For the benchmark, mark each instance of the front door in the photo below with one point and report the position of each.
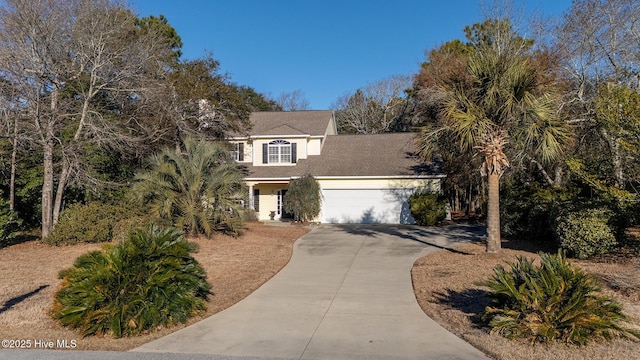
(282, 211)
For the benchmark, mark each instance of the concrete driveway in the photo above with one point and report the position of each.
(345, 294)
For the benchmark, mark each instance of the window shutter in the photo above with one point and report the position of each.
(240, 151)
(265, 153)
(256, 200)
(294, 153)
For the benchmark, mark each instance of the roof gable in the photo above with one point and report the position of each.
(312, 122)
(282, 130)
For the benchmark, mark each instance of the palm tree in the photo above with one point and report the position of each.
(503, 102)
(198, 190)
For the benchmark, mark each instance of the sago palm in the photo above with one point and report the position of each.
(503, 104)
(144, 282)
(198, 190)
(553, 301)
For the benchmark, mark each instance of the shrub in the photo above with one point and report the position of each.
(9, 223)
(428, 208)
(303, 198)
(585, 233)
(551, 302)
(126, 226)
(146, 281)
(250, 215)
(527, 210)
(91, 223)
(199, 191)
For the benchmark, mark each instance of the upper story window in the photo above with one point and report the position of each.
(279, 152)
(238, 151)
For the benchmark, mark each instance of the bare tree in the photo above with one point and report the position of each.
(292, 101)
(601, 44)
(377, 108)
(76, 65)
(9, 124)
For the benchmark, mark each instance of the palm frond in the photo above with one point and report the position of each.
(554, 301)
(190, 188)
(146, 281)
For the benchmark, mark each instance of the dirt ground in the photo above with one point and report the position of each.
(444, 283)
(29, 279)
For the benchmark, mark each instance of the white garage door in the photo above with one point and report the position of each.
(366, 206)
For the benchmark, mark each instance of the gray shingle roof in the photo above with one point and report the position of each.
(312, 122)
(356, 155)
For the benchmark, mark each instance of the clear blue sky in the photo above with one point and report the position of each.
(325, 48)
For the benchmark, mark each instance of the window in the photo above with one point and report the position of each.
(238, 151)
(279, 202)
(280, 151)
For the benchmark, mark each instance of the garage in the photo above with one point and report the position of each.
(366, 206)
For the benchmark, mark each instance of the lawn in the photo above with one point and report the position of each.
(235, 268)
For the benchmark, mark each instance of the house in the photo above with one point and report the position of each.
(363, 178)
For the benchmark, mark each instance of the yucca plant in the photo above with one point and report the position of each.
(554, 301)
(148, 280)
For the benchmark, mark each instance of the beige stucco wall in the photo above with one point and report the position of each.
(314, 146)
(248, 152)
(331, 127)
(268, 199)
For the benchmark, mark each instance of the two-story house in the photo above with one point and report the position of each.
(363, 178)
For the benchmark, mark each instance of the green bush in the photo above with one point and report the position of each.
(528, 211)
(126, 226)
(199, 190)
(146, 281)
(91, 223)
(303, 198)
(9, 223)
(428, 208)
(551, 302)
(585, 233)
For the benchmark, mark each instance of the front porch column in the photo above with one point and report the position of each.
(251, 203)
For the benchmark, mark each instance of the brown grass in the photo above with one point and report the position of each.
(444, 283)
(235, 268)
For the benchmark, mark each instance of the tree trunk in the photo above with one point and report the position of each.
(544, 173)
(616, 154)
(559, 173)
(47, 189)
(12, 182)
(456, 199)
(62, 183)
(48, 146)
(493, 214)
(468, 198)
